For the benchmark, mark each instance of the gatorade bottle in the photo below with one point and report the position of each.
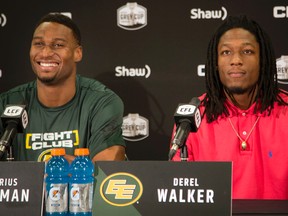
(57, 179)
(81, 184)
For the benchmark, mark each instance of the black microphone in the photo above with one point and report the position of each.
(14, 119)
(187, 119)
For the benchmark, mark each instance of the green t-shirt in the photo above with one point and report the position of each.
(92, 119)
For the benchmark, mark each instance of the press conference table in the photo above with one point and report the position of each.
(260, 207)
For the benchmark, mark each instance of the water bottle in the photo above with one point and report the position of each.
(56, 181)
(81, 184)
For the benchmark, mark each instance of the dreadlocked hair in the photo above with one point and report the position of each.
(267, 92)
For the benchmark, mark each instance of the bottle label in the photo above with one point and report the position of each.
(56, 198)
(81, 196)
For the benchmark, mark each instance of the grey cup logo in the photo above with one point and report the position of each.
(3, 20)
(282, 69)
(132, 16)
(135, 127)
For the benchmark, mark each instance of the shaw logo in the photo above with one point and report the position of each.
(3, 20)
(280, 12)
(198, 13)
(135, 127)
(282, 69)
(132, 16)
(121, 189)
(133, 72)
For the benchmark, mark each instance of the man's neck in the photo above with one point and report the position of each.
(242, 101)
(55, 95)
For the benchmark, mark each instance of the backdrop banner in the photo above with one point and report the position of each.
(151, 53)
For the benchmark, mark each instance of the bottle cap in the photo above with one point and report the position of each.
(58, 152)
(81, 151)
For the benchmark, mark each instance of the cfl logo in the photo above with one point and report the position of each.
(186, 109)
(121, 189)
(3, 20)
(13, 111)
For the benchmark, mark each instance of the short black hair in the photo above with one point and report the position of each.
(64, 20)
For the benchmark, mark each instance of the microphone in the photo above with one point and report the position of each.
(14, 119)
(188, 119)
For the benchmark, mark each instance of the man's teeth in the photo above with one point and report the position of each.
(48, 64)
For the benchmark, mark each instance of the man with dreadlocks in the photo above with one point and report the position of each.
(244, 112)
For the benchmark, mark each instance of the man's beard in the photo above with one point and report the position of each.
(237, 90)
(240, 90)
(46, 80)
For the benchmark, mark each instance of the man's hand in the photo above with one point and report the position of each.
(113, 153)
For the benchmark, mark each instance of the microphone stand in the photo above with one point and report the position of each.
(8, 151)
(10, 154)
(184, 152)
(5, 142)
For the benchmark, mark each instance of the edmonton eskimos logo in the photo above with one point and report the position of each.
(121, 189)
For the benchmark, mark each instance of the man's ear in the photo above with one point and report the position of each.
(78, 53)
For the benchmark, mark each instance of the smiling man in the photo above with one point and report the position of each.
(244, 112)
(65, 109)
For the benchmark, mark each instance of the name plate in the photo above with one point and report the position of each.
(162, 188)
(21, 188)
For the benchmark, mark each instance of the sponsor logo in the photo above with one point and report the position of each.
(3, 20)
(65, 139)
(280, 12)
(45, 156)
(122, 71)
(135, 127)
(197, 118)
(198, 13)
(121, 189)
(54, 193)
(74, 193)
(24, 119)
(186, 109)
(282, 69)
(201, 70)
(13, 111)
(132, 16)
